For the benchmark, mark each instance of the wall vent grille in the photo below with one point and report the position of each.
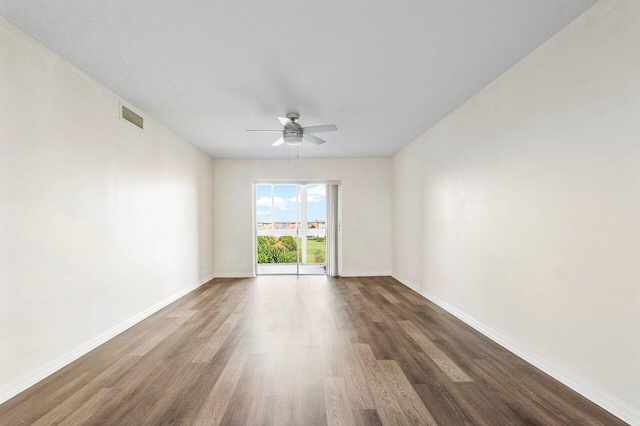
(132, 117)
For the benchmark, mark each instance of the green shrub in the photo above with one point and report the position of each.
(277, 250)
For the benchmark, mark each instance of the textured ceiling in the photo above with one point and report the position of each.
(383, 72)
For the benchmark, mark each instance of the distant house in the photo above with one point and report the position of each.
(316, 224)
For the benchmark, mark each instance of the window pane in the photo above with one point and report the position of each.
(263, 206)
(284, 203)
(316, 243)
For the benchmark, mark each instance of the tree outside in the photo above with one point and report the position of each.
(283, 249)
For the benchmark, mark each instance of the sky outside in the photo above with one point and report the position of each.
(284, 199)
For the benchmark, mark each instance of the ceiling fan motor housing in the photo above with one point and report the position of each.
(292, 133)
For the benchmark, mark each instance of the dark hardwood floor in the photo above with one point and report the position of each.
(301, 351)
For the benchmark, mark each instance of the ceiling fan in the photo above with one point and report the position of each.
(294, 134)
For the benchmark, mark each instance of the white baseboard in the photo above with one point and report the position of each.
(598, 396)
(205, 280)
(346, 275)
(350, 274)
(234, 275)
(24, 382)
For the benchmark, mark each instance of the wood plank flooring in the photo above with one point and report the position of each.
(282, 350)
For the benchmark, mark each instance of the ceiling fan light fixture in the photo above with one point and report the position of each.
(292, 138)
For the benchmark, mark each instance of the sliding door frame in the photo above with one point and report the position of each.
(338, 225)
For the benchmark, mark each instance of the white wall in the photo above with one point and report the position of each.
(366, 210)
(521, 210)
(99, 221)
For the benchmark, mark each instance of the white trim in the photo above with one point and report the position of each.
(24, 382)
(331, 231)
(254, 227)
(350, 274)
(235, 275)
(296, 182)
(595, 394)
(339, 220)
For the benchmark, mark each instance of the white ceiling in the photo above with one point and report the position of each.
(384, 72)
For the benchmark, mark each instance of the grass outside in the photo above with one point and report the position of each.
(312, 246)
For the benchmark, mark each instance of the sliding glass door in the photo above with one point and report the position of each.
(291, 227)
(277, 224)
(313, 229)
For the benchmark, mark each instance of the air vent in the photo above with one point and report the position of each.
(132, 117)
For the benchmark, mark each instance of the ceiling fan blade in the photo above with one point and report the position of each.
(265, 131)
(287, 123)
(278, 142)
(310, 138)
(320, 129)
